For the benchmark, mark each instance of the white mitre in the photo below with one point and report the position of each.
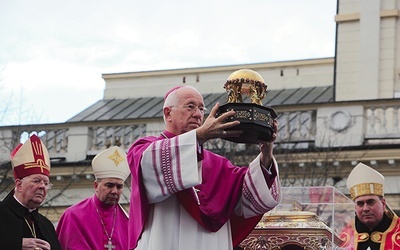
(364, 180)
(111, 163)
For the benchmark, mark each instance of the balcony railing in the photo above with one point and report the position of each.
(74, 142)
(382, 122)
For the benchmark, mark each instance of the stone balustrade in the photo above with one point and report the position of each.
(371, 123)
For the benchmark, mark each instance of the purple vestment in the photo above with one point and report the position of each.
(80, 226)
(221, 188)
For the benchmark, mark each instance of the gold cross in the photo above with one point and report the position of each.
(116, 157)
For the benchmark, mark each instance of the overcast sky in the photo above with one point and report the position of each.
(53, 52)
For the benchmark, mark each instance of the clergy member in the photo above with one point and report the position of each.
(376, 226)
(185, 197)
(21, 225)
(99, 222)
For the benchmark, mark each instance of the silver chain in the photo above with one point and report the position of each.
(102, 223)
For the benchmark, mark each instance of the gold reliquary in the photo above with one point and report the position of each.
(256, 120)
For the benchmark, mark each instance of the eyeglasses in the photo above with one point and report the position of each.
(193, 108)
(38, 182)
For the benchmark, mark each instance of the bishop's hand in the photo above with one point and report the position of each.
(35, 244)
(216, 127)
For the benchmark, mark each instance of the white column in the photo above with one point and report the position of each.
(79, 142)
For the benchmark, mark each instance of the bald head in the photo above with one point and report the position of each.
(172, 97)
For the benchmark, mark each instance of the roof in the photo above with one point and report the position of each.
(151, 107)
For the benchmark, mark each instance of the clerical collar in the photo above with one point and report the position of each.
(29, 209)
(167, 134)
(104, 207)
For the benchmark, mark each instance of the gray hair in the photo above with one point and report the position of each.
(172, 99)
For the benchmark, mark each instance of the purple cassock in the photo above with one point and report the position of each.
(90, 224)
(221, 187)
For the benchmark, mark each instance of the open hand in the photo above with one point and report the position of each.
(216, 127)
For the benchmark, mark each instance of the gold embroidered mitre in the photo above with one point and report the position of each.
(364, 180)
(111, 163)
(30, 158)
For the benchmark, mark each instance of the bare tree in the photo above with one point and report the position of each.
(304, 165)
(5, 109)
(13, 110)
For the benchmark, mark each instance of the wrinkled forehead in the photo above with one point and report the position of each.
(38, 176)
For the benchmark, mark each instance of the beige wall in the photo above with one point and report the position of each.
(277, 75)
(368, 44)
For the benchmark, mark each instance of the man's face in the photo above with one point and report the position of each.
(31, 190)
(370, 209)
(109, 190)
(188, 114)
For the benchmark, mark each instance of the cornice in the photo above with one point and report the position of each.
(350, 17)
(254, 66)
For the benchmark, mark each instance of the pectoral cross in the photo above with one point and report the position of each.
(109, 245)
